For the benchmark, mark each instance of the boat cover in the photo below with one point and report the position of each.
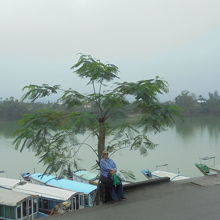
(8, 183)
(35, 189)
(64, 183)
(85, 174)
(45, 191)
(11, 198)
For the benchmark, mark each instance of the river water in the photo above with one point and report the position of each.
(180, 146)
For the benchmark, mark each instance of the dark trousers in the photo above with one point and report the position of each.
(106, 188)
(117, 192)
(110, 192)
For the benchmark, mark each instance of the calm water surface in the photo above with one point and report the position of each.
(180, 147)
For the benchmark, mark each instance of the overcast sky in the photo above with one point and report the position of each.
(175, 39)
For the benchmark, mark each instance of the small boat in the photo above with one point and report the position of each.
(172, 176)
(85, 176)
(49, 197)
(18, 206)
(88, 191)
(160, 173)
(206, 169)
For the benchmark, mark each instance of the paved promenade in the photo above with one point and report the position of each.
(168, 201)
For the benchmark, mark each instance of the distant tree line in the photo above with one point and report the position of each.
(193, 105)
(12, 109)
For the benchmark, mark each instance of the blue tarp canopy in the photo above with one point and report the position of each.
(64, 183)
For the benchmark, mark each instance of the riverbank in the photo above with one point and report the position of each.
(185, 200)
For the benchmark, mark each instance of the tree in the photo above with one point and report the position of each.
(188, 102)
(52, 135)
(11, 109)
(212, 105)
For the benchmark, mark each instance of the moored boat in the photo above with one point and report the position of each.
(160, 173)
(208, 169)
(18, 206)
(172, 176)
(85, 176)
(49, 197)
(88, 191)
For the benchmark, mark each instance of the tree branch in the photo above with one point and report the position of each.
(118, 150)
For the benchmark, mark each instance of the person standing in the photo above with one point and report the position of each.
(112, 185)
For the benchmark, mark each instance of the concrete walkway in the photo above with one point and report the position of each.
(168, 201)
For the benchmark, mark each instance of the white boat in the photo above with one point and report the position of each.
(172, 176)
(49, 197)
(86, 176)
(87, 191)
(160, 173)
(18, 206)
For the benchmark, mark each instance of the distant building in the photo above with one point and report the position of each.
(201, 99)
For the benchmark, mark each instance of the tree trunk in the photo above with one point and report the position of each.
(101, 138)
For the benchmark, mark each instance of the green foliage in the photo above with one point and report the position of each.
(82, 121)
(52, 135)
(156, 117)
(36, 92)
(12, 109)
(212, 105)
(197, 106)
(187, 101)
(72, 98)
(144, 91)
(89, 67)
(41, 130)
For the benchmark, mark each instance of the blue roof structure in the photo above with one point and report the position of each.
(64, 183)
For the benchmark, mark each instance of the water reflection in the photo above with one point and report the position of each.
(187, 128)
(180, 146)
(7, 129)
(190, 127)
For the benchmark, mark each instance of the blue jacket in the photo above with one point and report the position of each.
(106, 166)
